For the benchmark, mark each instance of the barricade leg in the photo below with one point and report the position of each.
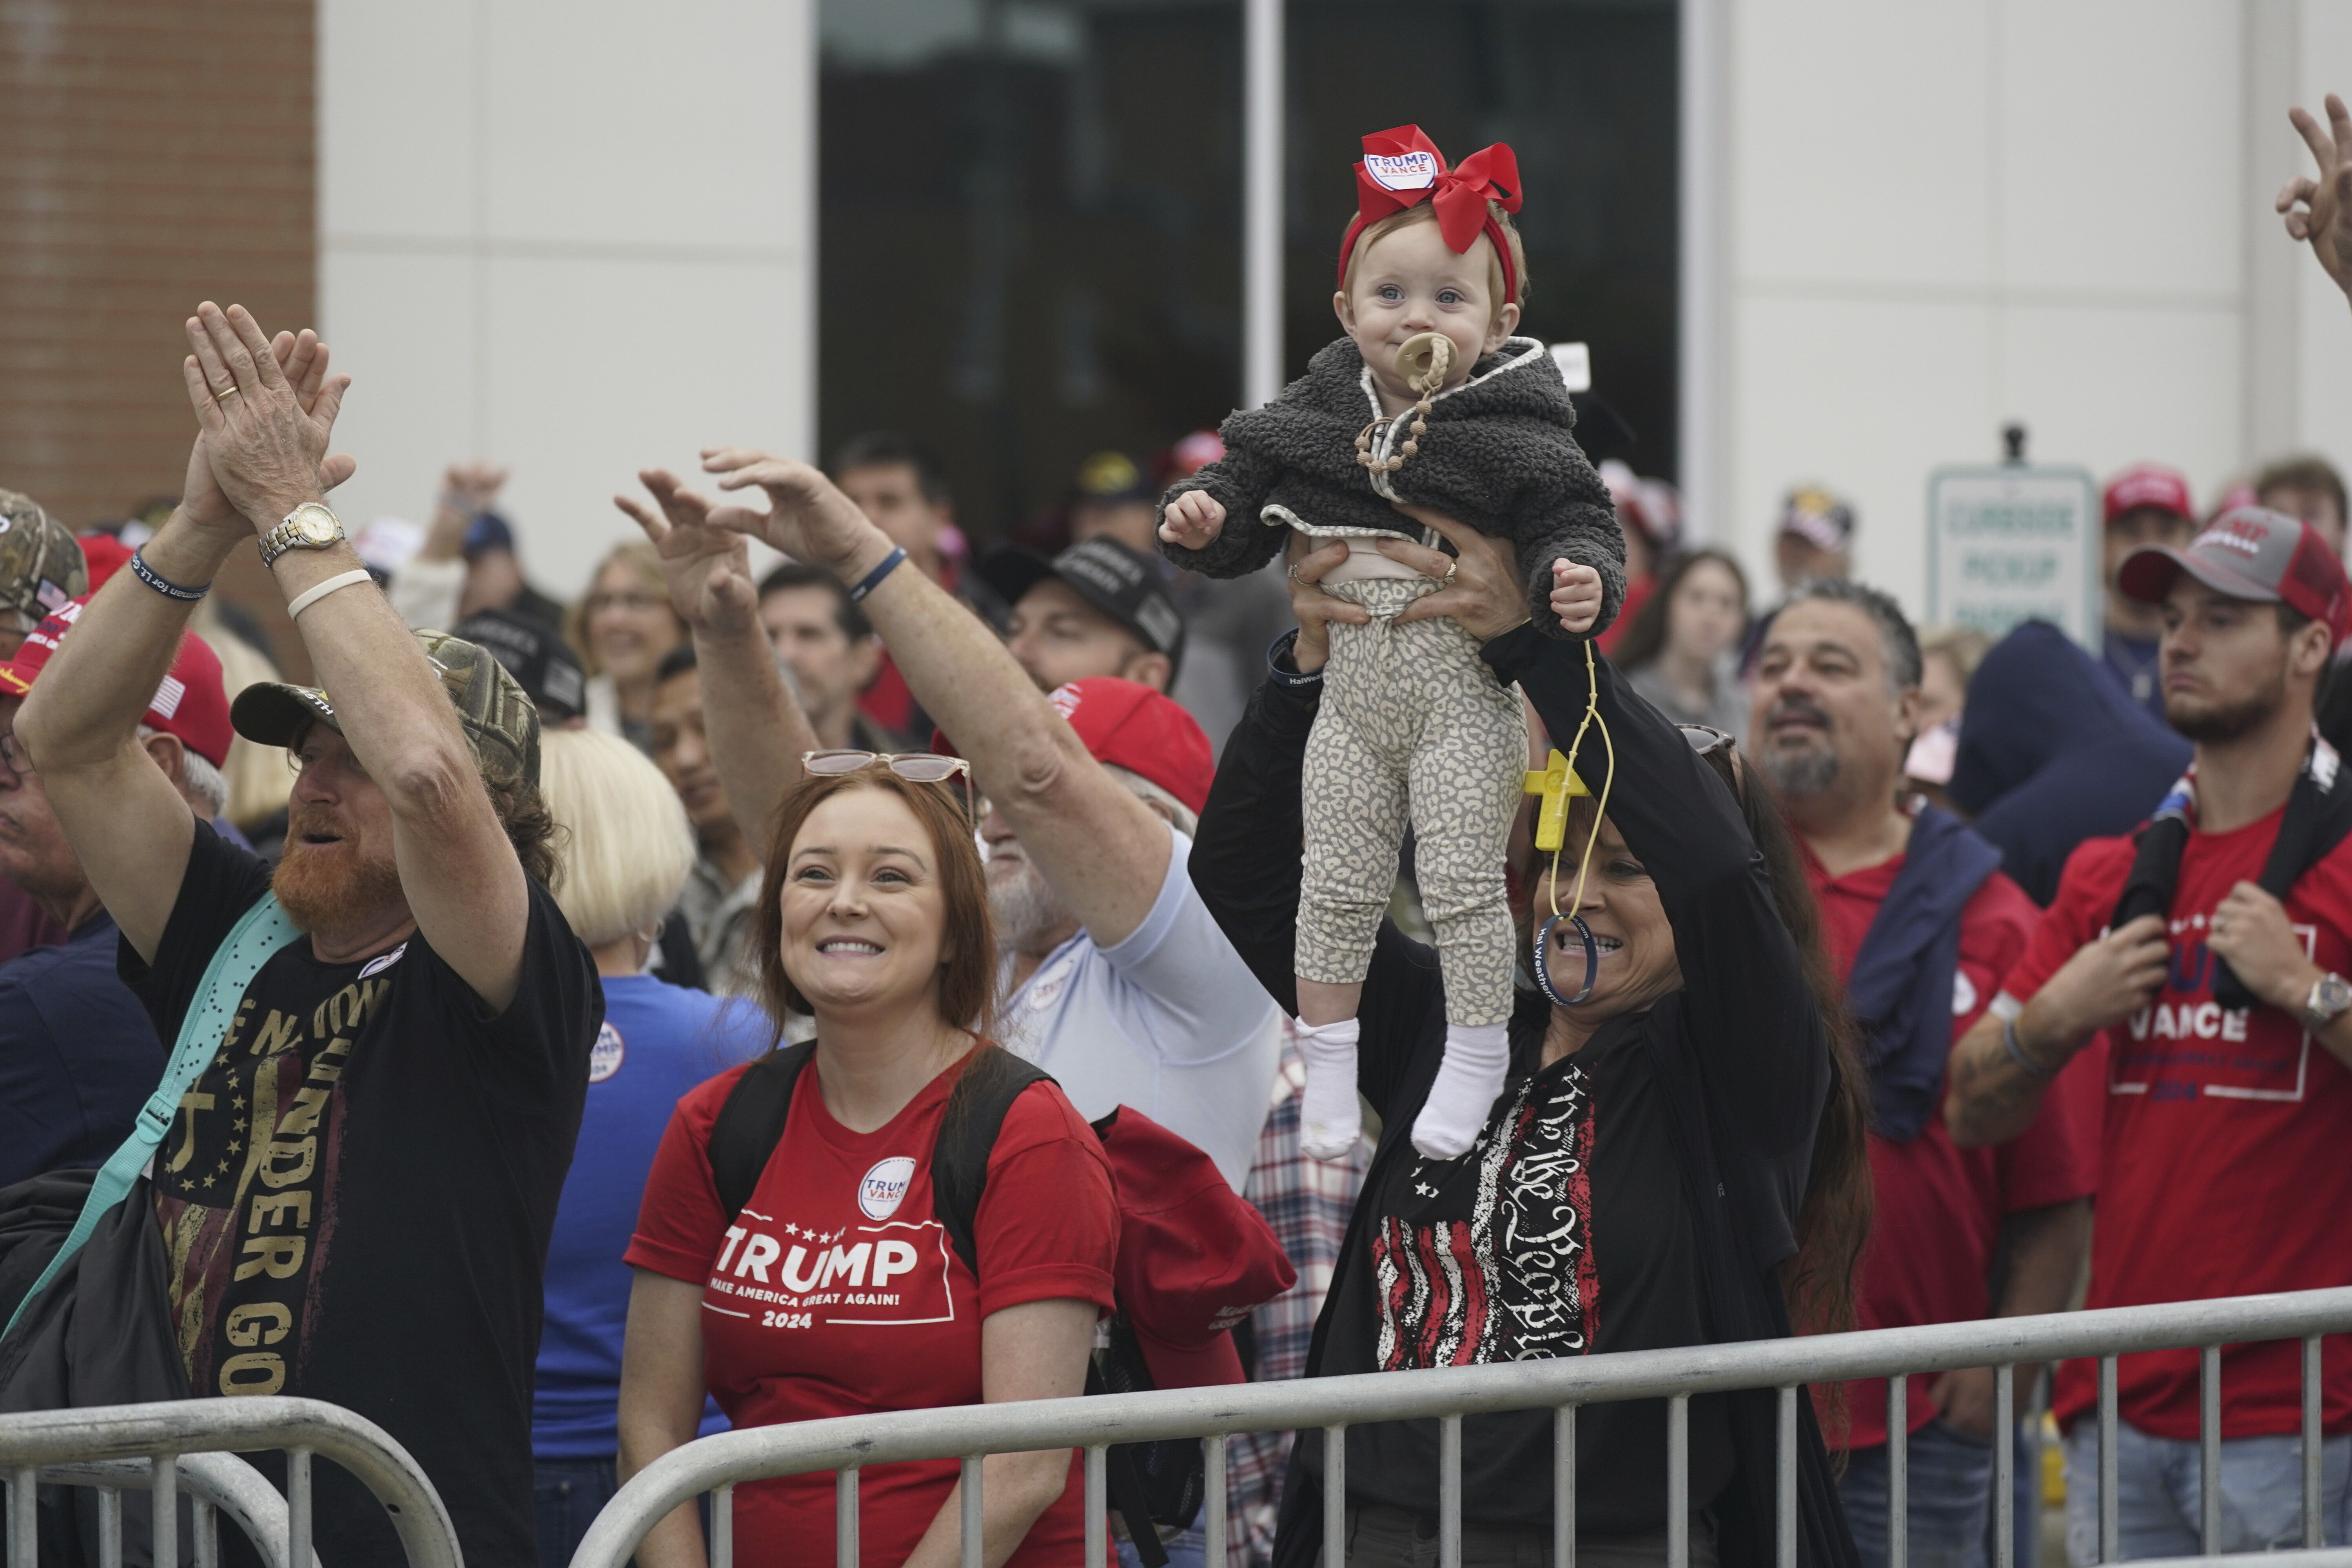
(844, 1518)
(2005, 1466)
(1898, 1472)
(1563, 1487)
(1784, 1483)
(2209, 1449)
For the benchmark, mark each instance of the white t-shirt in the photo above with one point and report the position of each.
(1171, 1022)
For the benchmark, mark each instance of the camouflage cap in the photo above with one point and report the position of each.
(41, 564)
(500, 724)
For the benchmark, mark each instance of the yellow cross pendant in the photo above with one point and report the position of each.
(1556, 782)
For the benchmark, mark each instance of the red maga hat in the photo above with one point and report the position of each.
(191, 703)
(2148, 485)
(1128, 725)
(1402, 168)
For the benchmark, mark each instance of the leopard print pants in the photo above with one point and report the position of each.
(1414, 727)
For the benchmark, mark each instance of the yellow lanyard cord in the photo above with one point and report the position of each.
(1608, 778)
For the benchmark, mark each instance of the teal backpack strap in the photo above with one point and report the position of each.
(251, 943)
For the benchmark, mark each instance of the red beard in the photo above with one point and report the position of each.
(320, 896)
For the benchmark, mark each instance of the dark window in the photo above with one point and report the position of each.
(1031, 213)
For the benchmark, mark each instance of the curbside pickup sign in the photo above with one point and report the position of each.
(2010, 544)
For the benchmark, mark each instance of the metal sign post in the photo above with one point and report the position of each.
(2012, 543)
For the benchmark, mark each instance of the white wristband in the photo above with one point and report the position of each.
(318, 591)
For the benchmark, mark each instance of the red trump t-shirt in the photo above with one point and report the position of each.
(2223, 1166)
(1939, 1207)
(837, 1292)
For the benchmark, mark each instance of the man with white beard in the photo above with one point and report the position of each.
(1116, 979)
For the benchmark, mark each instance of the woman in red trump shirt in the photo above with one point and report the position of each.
(834, 1291)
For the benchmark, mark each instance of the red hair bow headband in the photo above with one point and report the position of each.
(1403, 168)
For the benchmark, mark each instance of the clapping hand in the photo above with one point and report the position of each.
(265, 432)
(707, 568)
(2319, 209)
(1575, 596)
(301, 360)
(1193, 519)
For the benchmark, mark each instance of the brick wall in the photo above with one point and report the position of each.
(153, 154)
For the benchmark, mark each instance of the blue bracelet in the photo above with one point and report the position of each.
(873, 580)
(1285, 646)
(164, 586)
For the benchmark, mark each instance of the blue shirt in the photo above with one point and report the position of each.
(659, 1041)
(79, 1054)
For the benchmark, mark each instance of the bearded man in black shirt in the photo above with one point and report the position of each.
(354, 1201)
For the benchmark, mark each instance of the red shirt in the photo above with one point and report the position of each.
(1939, 1207)
(2223, 1164)
(835, 1292)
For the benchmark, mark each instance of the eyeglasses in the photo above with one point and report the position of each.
(13, 755)
(915, 767)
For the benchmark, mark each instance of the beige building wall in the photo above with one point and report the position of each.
(1946, 214)
(573, 236)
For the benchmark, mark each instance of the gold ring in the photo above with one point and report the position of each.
(228, 390)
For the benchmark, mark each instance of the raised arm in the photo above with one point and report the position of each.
(1747, 1005)
(758, 732)
(128, 825)
(457, 870)
(1101, 849)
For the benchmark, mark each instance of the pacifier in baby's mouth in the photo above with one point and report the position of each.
(1423, 363)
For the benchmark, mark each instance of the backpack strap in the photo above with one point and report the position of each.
(1123, 1489)
(751, 1122)
(975, 1115)
(253, 942)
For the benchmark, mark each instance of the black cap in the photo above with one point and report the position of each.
(1123, 584)
(536, 655)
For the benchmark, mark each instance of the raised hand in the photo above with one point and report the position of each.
(304, 360)
(2319, 209)
(1575, 596)
(808, 517)
(1193, 520)
(707, 567)
(472, 487)
(265, 423)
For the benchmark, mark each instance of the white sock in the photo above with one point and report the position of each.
(1330, 1118)
(1476, 1058)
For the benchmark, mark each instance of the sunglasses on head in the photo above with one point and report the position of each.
(915, 767)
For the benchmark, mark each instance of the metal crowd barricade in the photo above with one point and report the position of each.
(843, 1445)
(184, 1445)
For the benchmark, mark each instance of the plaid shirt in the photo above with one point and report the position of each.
(1307, 1200)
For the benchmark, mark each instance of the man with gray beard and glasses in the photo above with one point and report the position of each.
(1923, 926)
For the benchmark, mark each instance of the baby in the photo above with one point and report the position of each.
(1412, 725)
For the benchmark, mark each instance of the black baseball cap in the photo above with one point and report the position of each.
(539, 659)
(1123, 584)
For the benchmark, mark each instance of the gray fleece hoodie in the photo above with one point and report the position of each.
(1500, 456)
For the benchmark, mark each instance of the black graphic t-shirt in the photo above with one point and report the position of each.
(356, 1195)
(1565, 1231)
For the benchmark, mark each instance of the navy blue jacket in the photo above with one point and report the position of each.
(79, 1054)
(2052, 753)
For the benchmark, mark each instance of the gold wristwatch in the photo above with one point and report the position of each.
(309, 526)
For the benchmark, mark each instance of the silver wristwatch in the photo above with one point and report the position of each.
(2331, 994)
(309, 526)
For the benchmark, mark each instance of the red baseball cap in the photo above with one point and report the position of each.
(1126, 724)
(2250, 553)
(191, 703)
(2149, 485)
(1191, 1265)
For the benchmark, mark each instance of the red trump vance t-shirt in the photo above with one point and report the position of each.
(2223, 1162)
(837, 1292)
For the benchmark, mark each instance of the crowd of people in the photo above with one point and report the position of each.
(881, 983)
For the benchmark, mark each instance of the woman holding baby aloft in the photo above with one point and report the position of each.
(1676, 1156)
(1428, 400)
